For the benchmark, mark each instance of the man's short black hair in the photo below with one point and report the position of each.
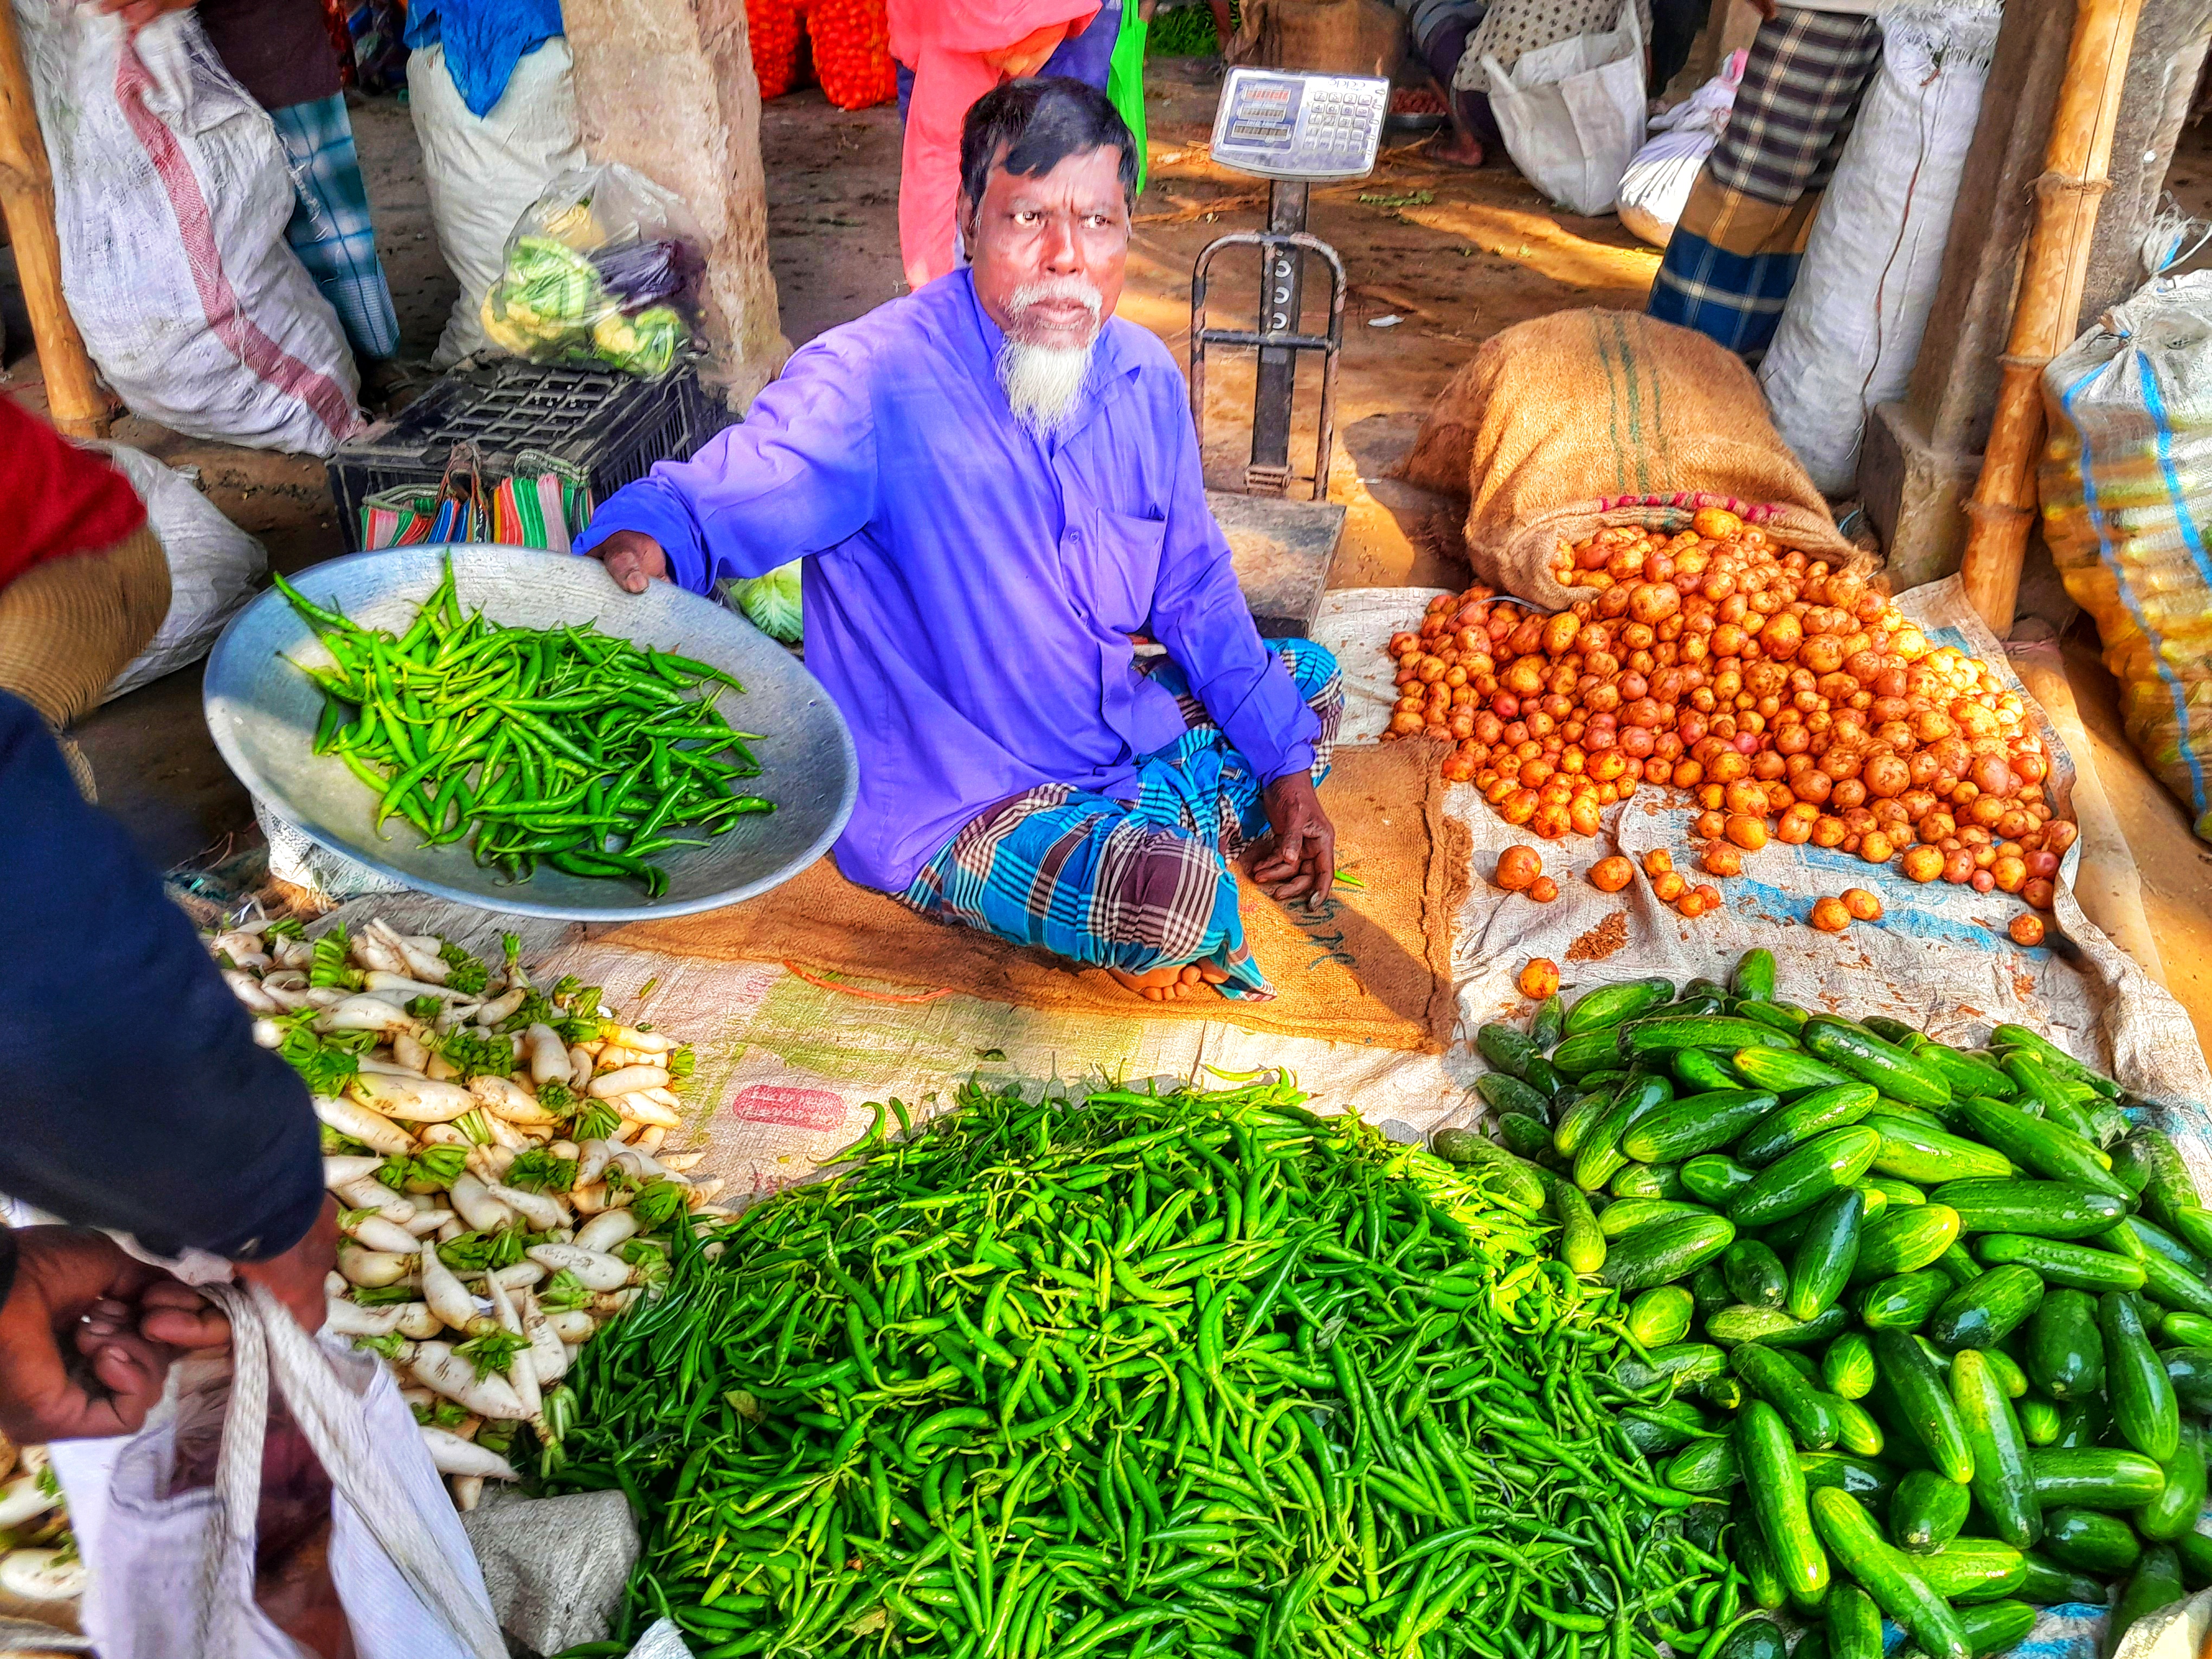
(1041, 122)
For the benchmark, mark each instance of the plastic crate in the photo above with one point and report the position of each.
(611, 426)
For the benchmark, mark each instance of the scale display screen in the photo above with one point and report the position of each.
(1278, 124)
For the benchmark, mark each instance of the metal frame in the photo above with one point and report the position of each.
(1277, 332)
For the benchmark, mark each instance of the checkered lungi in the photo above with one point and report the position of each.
(1733, 257)
(330, 230)
(1133, 884)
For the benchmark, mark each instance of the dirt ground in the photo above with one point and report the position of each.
(1437, 258)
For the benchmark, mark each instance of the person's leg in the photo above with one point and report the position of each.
(1733, 257)
(1313, 669)
(330, 229)
(1675, 26)
(1441, 49)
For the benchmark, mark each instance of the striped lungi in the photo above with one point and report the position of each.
(1133, 884)
(330, 229)
(1733, 257)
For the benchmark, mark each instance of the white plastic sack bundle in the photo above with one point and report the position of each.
(1572, 114)
(172, 192)
(483, 172)
(213, 566)
(1851, 328)
(1658, 185)
(172, 1571)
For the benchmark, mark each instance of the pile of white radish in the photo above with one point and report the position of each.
(38, 1556)
(427, 1145)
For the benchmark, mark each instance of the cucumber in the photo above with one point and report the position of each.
(2065, 1352)
(2037, 1144)
(2170, 1284)
(1811, 1415)
(1665, 1251)
(1776, 1486)
(1665, 1034)
(1545, 1079)
(2144, 1409)
(1624, 1216)
(1834, 1107)
(1965, 1075)
(1548, 1023)
(2058, 1262)
(2040, 1094)
(1581, 1241)
(2019, 1037)
(1905, 1241)
(1888, 1029)
(2007, 1370)
(1661, 1316)
(2084, 1422)
(1504, 1092)
(1758, 1638)
(1921, 1115)
(1609, 1005)
(1698, 1071)
(1957, 1266)
(1694, 1124)
(1650, 1180)
(1524, 1136)
(1755, 1275)
(1802, 1178)
(2151, 1166)
(1714, 1178)
(1590, 1051)
(2185, 1330)
(2043, 1209)
(1788, 1071)
(1982, 1313)
(1656, 1430)
(2050, 1585)
(2101, 1544)
(2156, 1583)
(1902, 1302)
(1506, 1049)
(2039, 1421)
(1822, 1264)
(1598, 1156)
(1924, 1403)
(1573, 1122)
(2195, 1549)
(2139, 1238)
(1927, 1512)
(1997, 1626)
(1979, 1568)
(2179, 1501)
(1760, 1576)
(1847, 1368)
(1708, 1289)
(1902, 1193)
(1870, 1059)
(1514, 1180)
(1755, 975)
(1689, 1365)
(2192, 1224)
(1891, 1578)
(1786, 1017)
(2001, 1483)
(1854, 1624)
(1703, 1466)
(1913, 1151)
(1860, 1478)
(2190, 1370)
(2094, 1478)
(1858, 1433)
(1772, 1328)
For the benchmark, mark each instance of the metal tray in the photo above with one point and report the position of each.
(263, 713)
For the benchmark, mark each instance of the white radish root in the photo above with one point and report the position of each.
(446, 1295)
(343, 1318)
(413, 1100)
(364, 1013)
(374, 1269)
(505, 1098)
(373, 1233)
(454, 1455)
(437, 1366)
(543, 1211)
(377, 1133)
(549, 1055)
(338, 1171)
(608, 1232)
(649, 1042)
(596, 1271)
(627, 1079)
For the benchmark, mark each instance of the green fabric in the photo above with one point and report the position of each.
(1125, 81)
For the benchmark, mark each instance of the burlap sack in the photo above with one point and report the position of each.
(1568, 423)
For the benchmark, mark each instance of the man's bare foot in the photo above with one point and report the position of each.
(1460, 149)
(1172, 984)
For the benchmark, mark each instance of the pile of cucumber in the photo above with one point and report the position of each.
(1928, 1319)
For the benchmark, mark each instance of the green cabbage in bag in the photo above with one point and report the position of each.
(771, 603)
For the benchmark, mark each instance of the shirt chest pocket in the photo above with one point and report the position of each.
(1112, 561)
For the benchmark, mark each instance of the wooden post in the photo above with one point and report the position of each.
(74, 400)
(2074, 181)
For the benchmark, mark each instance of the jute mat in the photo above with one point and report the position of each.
(1372, 966)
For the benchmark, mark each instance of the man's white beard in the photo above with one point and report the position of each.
(1043, 382)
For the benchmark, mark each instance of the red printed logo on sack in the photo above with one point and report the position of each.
(801, 1108)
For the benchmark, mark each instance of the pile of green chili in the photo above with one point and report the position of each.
(1141, 1374)
(562, 744)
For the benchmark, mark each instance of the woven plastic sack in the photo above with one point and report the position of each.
(772, 34)
(599, 270)
(214, 567)
(1851, 328)
(852, 43)
(1657, 183)
(1573, 112)
(2127, 510)
(172, 192)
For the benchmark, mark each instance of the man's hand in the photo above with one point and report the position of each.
(71, 1365)
(136, 14)
(633, 559)
(1302, 863)
(178, 1316)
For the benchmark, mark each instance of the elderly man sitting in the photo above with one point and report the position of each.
(995, 484)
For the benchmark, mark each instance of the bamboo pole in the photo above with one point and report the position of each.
(2056, 270)
(75, 402)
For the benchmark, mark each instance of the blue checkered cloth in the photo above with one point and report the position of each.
(330, 230)
(1133, 884)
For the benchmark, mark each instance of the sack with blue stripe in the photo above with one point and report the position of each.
(2127, 508)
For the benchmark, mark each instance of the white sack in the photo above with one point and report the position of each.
(172, 192)
(1851, 328)
(1572, 114)
(1657, 186)
(213, 566)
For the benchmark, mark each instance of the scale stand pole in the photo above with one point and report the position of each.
(1281, 301)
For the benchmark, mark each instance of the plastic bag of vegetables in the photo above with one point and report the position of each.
(770, 603)
(598, 271)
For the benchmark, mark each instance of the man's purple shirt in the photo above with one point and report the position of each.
(969, 590)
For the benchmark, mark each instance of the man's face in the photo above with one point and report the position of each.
(1048, 248)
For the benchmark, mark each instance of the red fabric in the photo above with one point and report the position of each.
(61, 499)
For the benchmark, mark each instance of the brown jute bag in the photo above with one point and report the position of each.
(1566, 424)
